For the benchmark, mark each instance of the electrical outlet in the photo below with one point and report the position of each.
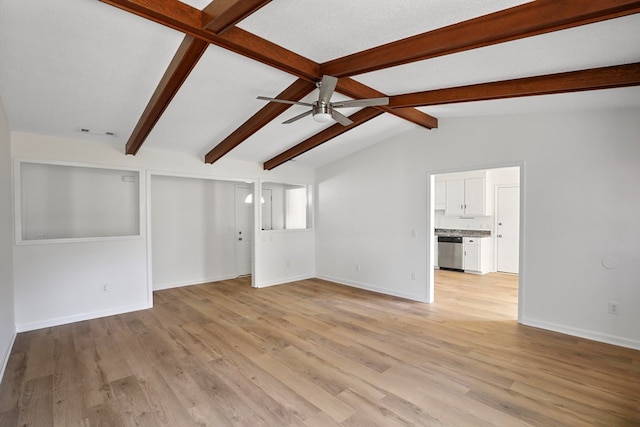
(104, 288)
(287, 264)
(357, 267)
(413, 276)
(614, 307)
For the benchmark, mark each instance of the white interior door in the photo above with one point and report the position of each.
(508, 229)
(244, 230)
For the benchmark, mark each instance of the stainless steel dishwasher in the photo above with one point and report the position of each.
(450, 253)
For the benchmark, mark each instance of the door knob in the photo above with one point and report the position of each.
(239, 238)
(499, 223)
(500, 236)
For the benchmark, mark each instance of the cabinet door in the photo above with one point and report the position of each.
(474, 196)
(440, 196)
(471, 257)
(454, 203)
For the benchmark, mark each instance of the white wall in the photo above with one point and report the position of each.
(7, 319)
(59, 282)
(192, 229)
(287, 255)
(581, 205)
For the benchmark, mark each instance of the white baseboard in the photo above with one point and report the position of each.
(172, 285)
(24, 327)
(368, 287)
(582, 333)
(283, 281)
(5, 358)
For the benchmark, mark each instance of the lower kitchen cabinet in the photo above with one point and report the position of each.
(477, 255)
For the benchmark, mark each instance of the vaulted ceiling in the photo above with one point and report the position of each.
(185, 75)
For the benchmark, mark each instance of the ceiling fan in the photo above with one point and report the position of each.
(323, 109)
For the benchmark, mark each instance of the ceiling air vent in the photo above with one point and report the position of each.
(95, 132)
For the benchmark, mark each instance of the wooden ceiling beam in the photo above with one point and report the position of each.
(217, 17)
(530, 19)
(230, 15)
(329, 133)
(189, 20)
(573, 81)
(187, 56)
(296, 91)
(200, 27)
(356, 90)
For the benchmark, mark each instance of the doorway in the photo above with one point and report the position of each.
(502, 217)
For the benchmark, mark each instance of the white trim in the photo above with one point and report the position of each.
(283, 281)
(379, 290)
(582, 333)
(5, 359)
(25, 327)
(159, 172)
(148, 255)
(194, 282)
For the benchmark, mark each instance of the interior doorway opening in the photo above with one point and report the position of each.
(481, 207)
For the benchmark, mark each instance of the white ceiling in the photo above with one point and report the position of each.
(329, 29)
(81, 63)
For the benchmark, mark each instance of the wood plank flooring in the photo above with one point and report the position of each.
(313, 353)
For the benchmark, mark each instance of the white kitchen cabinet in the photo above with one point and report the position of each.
(454, 202)
(466, 197)
(440, 196)
(475, 196)
(477, 254)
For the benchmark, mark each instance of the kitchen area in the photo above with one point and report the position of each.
(476, 218)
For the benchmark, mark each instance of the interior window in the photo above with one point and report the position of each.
(285, 206)
(71, 202)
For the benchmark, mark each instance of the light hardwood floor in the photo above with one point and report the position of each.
(314, 353)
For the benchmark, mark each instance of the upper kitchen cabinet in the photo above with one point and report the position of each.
(466, 197)
(440, 196)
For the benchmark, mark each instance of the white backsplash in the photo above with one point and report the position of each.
(464, 223)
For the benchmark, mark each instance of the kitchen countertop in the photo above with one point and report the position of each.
(462, 233)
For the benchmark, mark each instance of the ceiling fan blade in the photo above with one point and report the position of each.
(298, 117)
(327, 86)
(341, 118)
(285, 101)
(369, 102)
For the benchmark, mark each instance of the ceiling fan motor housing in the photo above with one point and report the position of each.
(321, 112)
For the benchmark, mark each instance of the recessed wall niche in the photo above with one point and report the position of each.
(76, 202)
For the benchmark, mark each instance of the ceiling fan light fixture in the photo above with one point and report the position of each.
(321, 113)
(322, 117)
